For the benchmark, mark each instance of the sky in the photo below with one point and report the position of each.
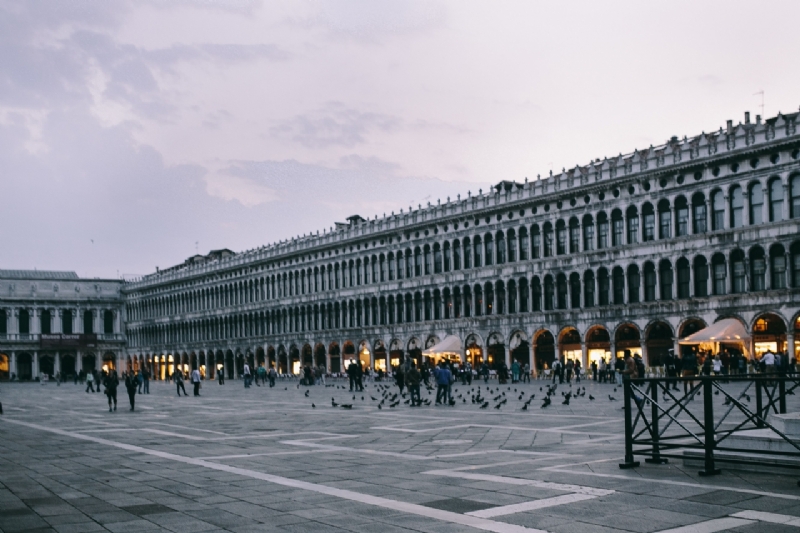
(136, 134)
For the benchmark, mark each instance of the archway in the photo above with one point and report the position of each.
(544, 350)
(109, 362)
(319, 354)
(395, 352)
(414, 350)
(520, 348)
(229, 363)
(260, 357)
(5, 369)
(430, 342)
(348, 352)
(627, 337)
(598, 345)
(335, 354)
(797, 338)
(380, 355)
(24, 366)
(659, 340)
(307, 356)
(769, 333)
(474, 351)
(219, 364)
(47, 365)
(67, 365)
(569, 343)
(294, 359)
(364, 354)
(689, 326)
(193, 365)
(495, 351)
(202, 364)
(89, 362)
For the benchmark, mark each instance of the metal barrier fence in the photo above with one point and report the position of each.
(660, 424)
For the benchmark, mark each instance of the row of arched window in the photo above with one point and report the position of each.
(697, 277)
(733, 208)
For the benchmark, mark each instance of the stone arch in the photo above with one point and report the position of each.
(319, 354)
(544, 349)
(569, 344)
(474, 349)
(495, 350)
(396, 352)
(364, 353)
(598, 344)
(380, 355)
(295, 362)
(519, 348)
(659, 339)
(628, 337)
(769, 333)
(690, 325)
(414, 350)
(432, 340)
(335, 354)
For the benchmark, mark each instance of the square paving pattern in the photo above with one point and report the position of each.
(285, 459)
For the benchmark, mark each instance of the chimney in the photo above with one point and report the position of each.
(730, 127)
(747, 117)
(758, 119)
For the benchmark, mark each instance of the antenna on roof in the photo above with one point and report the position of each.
(761, 92)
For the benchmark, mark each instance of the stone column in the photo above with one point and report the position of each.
(584, 357)
(57, 363)
(786, 198)
(12, 368)
(35, 363)
(78, 361)
(727, 210)
(790, 343)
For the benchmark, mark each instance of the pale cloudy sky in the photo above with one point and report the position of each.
(150, 126)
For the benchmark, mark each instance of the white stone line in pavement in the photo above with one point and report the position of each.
(531, 505)
(190, 428)
(584, 425)
(494, 465)
(710, 526)
(171, 434)
(342, 449)
(367, 499)
(681, 484)
(556, 467)
(512, 428)
(248, 455)
(772, 518)
(591, 491)
(106, 430)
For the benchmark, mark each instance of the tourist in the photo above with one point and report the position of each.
(602, 370)
(555, 368)
(515, 368)
(146, 378)
(272, 374)
(577, 368)
(359, 377)
(96, 376)
(569, 368)
(619, 366)
(688, 369)
(195, 378)
(131, 384)
(671, 369)
(716, 365)
(485, 371)
(443, 376)
(111, 383)
(412, 382)
(177, 376)
(246, 374)
(468, 372)
(90, 382)
(398, 377)
(140, 380)
(221, 375)
(261, 375)
(351, 375)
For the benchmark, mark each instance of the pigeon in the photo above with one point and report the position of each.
(485, 405)
(566, 400)
(498, 406)
(313, 406)
(716, 393)
(452, 402)
(362, 398)
(591, 397)
(307, 393)
(373, 398)
(615, 389)
(333, 403)
(546, 402)
(354, 396)
(395, 404)
(347, 406)
(379, 406)
(747, 397)
(611, 398)
(525, 407)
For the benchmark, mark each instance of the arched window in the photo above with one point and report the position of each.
(719, 274)
(549, 292)
(664, 220)
(756, 197)
(633, 224)
(588, 233)
(467, 257)
(618, 282)
(512, 246)
(500, 246)
(794, 195)
(775, 200)
(588, 289)
(681, 217)
(617, 228)
(665, 276)
(603, 287)
(574, 236)
(536, 289)
(737, 207)
(417, 262)
(417, 307)
(684, 278)
(524, 245)
(795, 252)
(512, 296)
(523, 295)
(400, 262)
(649, 282)
(536, 242)
(409, 267)
(561, 291)
(477, 248)
(561, 237)
(634, 281)
(548, 239)
(456, 255)
(489, 247)
(467, 299)
(777, 259)
(489, 307)
(700, 276)
(575, 290)
(448, 260)
(758, 269)
(478, 300)
(699, 220)
(648, 222)
(427, 252)
(602, 230)
(437, 259)
(738, 272)
(717, 211)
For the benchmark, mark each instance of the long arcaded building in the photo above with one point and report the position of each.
(629, 252)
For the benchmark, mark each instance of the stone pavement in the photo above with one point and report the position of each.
(259, 459)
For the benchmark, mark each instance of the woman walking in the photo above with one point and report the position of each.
(111, 382)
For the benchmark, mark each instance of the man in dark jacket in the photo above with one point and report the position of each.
(111, 382)
(352, 370)
(412, 382)
(131, 384)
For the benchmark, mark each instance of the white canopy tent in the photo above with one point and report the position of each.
(727, 330)
(449, 346)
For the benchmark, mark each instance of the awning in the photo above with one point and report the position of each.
(726, 330)
(450, 345)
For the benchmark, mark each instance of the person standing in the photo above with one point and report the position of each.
(577, 368)
(146, 378)
(671, 368)
(195, 377)
(442, 374)
(485, 372)
(468, 372)
(140, 380)
(111, 383)
(515, 371)
(688, 369)
(359, 377)
(351, 374)
(177, 376)
(261, 375)
(131, 384)
(272, 375)
(619, 366)
(246, 374)
(90, 382)
(96, 376)
(716, 365)
(221, 375)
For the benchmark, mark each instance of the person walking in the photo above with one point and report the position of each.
(412, 382)
(526, 373)
(146, 378)
(359, 377)
(97, 378)
(221, 375)
(246, 375)
(272, 374)
(351, 374)
(90, 382)
(131, 384)
(261, 375)
(688, 369)
(442, 374)
(195, 378)
(485, 372)
(140, 380)
(671, 368)
(716, 365)
(111, 383)
(577, 369)
(177, 376)
(619, 366)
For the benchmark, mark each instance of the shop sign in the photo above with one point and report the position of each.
(64, 340)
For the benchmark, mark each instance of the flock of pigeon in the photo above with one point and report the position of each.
(391, 398)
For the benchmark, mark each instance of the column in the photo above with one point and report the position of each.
(532, 359)
(57, 363)
(35, 369)
(727, 215)
(12, 369)
(613, 350)
(790, 343)
(786, 199)
(584, 357)
(508, 357)
(78, 361)
(13, 323)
